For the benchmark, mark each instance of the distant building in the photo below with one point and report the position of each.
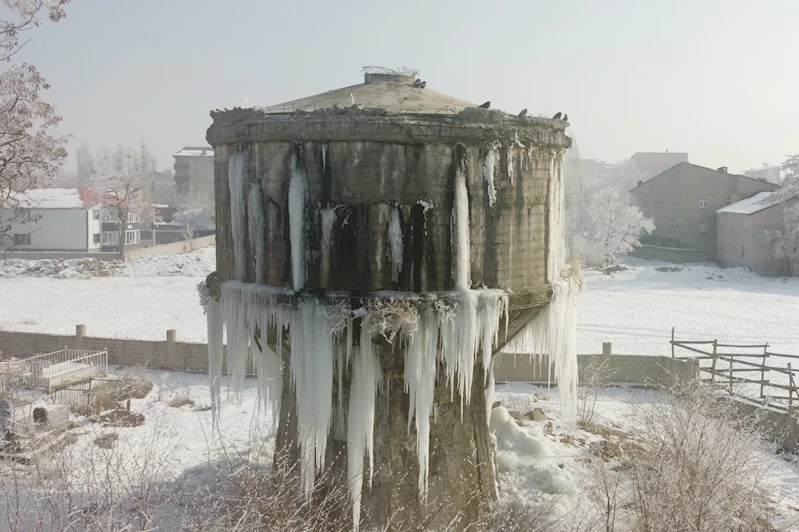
(769, 173)
(737, 241)
(683, 201)
(194, 167)
(65, 221)
(653, 163)
(592, 169)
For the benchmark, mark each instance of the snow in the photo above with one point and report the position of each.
(237, 181)
(488, 173)
(759, 202)
(50, 198)
(204, 152)
(257, 228)
(395, 242)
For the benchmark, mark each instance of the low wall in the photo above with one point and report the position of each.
(174, 248)
(64, 255)
(677, 255)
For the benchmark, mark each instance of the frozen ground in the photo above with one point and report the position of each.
(634, 309)
(173, 466)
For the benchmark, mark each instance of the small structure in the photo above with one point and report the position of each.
(50, 371)
(683, 201)
(740, 237)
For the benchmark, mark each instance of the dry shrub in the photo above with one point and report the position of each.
(121, 418)
(181, 400)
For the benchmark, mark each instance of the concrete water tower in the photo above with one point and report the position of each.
(376, 244)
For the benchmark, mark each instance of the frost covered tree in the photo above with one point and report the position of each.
(614, 228)
(785, 241)
(120, 184)
(30, 153)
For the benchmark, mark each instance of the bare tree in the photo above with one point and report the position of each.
(30, 154)
(120, 181)
(785, 241)
(189, 235)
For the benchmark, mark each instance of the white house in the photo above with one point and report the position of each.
(64, 222)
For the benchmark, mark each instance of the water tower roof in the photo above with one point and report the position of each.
(395, 92)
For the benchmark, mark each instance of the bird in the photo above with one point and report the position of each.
(485, 105)
(417, 83)
(523, 113)
(557, 116)
(422, 85)
(565, 118)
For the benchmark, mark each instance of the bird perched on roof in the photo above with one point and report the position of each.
(565, 118)
(422, 85)
(417, 83)
(485, 105)
(557, 116)
(523, 113)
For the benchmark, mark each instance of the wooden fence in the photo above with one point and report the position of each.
(746, 370)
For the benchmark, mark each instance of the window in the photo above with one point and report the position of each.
(95, 214)
(673, 226)
(132, 217)
(110, 238)
(659, 202)
(22, 239)
(109, 215)
(727, 202)
(646, 202)
(675, 203)
(703, 204)
(703, 228)
(96, 238)
(131, 237)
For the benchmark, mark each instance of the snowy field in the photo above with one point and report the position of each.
(634, 309)
(173, 465)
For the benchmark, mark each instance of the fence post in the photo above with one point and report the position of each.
(80, 334)
(713, 365)
(791, 386)
(171, 339)
(607, 349)
(763, 372)
(731, 374)
(672, 342)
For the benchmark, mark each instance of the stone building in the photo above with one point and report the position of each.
(376, 244)
(683, 202)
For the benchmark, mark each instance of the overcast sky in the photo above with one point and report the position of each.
(718, 79)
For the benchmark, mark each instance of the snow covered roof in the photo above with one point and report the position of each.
(191, 151)
(51, 198)
(757, 203)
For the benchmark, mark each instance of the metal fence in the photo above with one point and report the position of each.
(747, 370)
(51, 371)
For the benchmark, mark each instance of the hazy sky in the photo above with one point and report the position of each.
(717, 79)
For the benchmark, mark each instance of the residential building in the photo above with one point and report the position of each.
(194, 169)
(738, 240)
(64, 221)
(683, 202)
(134, 223)
(769, 173)
(653, 163)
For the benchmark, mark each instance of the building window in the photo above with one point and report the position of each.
(110, 238)
(727, 202)
(673, 226)
(95, 214)
(131, 237)
(659, 202)
(675, 203)
(703, 228)
(703, 204)
(22, 239)
(646, 202)
(96, 238)
(109, 215)
(132, 217)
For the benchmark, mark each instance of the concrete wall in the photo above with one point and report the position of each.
(673, 254)
(737, 243)
(52, 255)
(688, 184)
(174, 248)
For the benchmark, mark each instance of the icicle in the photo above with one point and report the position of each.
(395, 242)
(488, 173)
(366, 377)
(237, 178)
(257, 229)
(298, 187)
(328, 219)
(215, 333)
(460, 222)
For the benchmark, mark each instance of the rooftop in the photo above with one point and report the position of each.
(759, 202)
(193, 151)
(51, 198)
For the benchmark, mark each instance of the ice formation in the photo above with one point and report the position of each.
(257, 228)
(237, 180)
(395, 243)
(488, 173)
(298, 189)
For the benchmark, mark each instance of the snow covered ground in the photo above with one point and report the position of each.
(634, 309)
